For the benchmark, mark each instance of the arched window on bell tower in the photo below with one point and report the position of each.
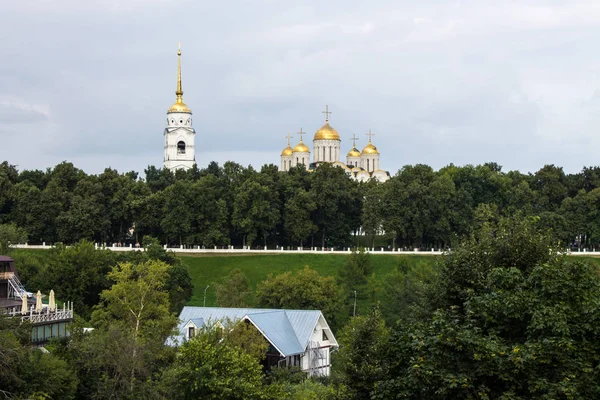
(181, 147)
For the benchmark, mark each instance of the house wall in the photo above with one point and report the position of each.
(316, 360)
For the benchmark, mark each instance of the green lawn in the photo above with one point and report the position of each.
(205, 270)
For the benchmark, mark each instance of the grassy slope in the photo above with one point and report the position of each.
(208, 269)
(205, 270)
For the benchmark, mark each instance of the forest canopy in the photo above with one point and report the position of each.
(235, 205)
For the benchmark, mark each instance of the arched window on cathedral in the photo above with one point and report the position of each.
(296, 160)
(368, 168)
(330, 159)
(181, 147)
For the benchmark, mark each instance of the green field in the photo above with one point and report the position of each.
(206, 270)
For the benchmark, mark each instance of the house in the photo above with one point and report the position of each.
(47, 320)
(296, 337)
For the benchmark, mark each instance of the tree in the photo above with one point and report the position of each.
(177, 218)
(335, 198)
(406, 290)
(209, 369)
(77, 273)
(10, 234)
(255, 211)
(297, 217)
(511, 319)
(136, 310)
(211, 212)
(234, 290)
(304, 290)
(245, 336)
(355, 274)
(26, 372)
(362, 357)
(373, 209)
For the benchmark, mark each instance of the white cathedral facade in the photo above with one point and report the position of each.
(179, 133)
(360, 165)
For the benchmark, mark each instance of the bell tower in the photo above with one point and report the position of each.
(179, 134)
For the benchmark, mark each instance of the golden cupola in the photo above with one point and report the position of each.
(354, 152)
(326, 132)
(370, 148)
(179, 106)
(301, 148)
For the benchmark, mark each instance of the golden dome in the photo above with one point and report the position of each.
(301, 148)
(287, 151)
(179, 106)
(354, 152)
(370, 149)
(326, 132)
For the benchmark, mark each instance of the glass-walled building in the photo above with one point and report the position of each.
(47, 319)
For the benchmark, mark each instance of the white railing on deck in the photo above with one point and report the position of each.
(49, 317)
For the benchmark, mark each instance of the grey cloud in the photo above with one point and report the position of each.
(438, 82)
(20, 113)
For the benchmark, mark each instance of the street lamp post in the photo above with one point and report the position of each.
(205, 289)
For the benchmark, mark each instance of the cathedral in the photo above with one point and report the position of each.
(179, 134)
(361, 166)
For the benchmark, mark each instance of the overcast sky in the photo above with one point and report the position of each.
(438, 82)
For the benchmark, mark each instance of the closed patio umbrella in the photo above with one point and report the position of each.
(51, 301)
(24, 305)
(38, 302)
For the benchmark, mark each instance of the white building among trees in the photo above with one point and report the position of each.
(179, 134)
(361, 166)
(300, 338)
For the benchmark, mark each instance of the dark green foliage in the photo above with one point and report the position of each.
(406, 290)
(26, 372)
(230, 204)
(511, 319)
(364, 345)
(354, 276)
(78, 274)
(210, 369)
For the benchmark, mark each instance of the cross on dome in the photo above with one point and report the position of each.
(301, 133)
(354, 139)
(327, 112)
(289, 136)
(370, 135)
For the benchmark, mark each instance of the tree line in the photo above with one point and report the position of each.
(234, 205)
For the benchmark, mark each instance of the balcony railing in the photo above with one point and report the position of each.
(52, 316)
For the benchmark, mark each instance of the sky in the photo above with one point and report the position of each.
(437, 82)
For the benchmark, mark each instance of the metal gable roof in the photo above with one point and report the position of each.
(288, 330)
(276, 327)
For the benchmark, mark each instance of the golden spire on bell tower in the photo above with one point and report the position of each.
(179, 105)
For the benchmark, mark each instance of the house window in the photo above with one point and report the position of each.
(181, 147)
(325, 335)
(190, 332)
